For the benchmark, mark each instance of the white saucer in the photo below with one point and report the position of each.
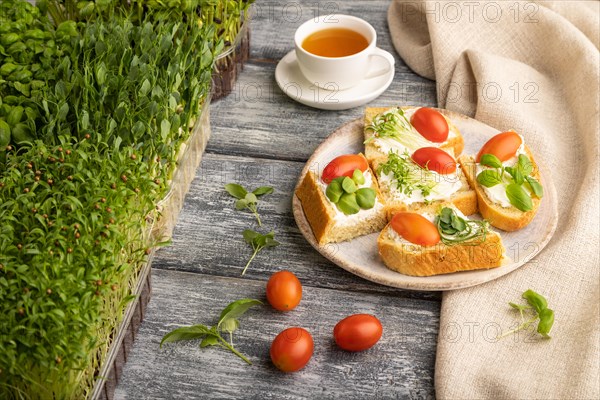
(295, 85)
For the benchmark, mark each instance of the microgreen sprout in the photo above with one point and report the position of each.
(228, 323)
(536, 309)
(248, 200)
(258, 242)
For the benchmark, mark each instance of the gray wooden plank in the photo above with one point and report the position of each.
(257, 119)
(399, 366)
(208, 236)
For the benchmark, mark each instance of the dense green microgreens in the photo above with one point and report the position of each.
(71, 245)
(29, 47)
(407, 175)
(393, 124)
(520, 185)
(454, 229)
(79, 184)
(535, 310)
(226, 16)
(248, 200)
(228, 323)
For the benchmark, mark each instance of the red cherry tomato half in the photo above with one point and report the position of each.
(284, 291)
(291, 349)
(415, 228)
(504, 146)
(435, 159)
(430, 124)
(357, 332)
(344, 166)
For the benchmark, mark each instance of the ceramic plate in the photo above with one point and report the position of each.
(296, 86)
(360, 256)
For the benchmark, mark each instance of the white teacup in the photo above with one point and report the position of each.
(340, 72)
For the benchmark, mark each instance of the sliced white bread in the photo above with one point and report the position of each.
(375, 150)
(505, 218)
(465, 198)
(328, 224)
(410, 259)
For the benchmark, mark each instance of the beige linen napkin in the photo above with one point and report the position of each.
(532, 67)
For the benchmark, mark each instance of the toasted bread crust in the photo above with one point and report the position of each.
(415, 260)
(465, 201)
(317, 211)
(373, 154)
(320, 213)
(508, 219)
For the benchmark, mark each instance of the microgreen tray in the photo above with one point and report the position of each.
(160, 228)
(230, 63)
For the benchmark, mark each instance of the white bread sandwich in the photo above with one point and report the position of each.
(402, 129)
(440, 243)
(507, 181)
(343, 201)
(421, 181)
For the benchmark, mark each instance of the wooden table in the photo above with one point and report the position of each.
(261, 137)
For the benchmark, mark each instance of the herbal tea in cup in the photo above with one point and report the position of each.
(335, 42)
(336, 51)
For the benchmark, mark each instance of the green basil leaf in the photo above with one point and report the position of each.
(365, 198)
(261, 191)
(489, 178)
(358, 177)
(236, 190)
(458, 223)
(270, 242)
(259, 241)
(236, 309)
(230, 325)
(524, 165)
(334, 191)
(250, 198)
(446, 215)
(535, 300)
(546, 322)
(209, 340)
(516, 174)
(348, 185)
(185, 333)
(449, 230)
(518, 197)
(250, 235)
(490, 160)
(536, 187)
(241, 204)
(347, 204)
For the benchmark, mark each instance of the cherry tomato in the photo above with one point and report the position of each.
(357, 332)
(435, 159)
(291, 349)
(284, 291)
(415, 228)
(344, 166)
(504, 146)
(430, 124)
